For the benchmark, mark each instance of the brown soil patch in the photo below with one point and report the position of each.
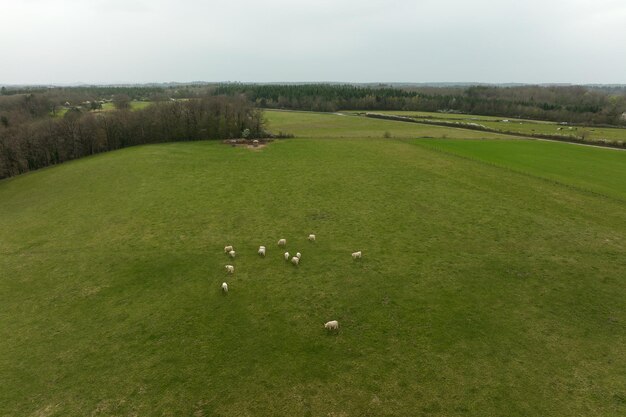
(252, 144)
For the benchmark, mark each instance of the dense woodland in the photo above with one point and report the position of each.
(572, 104)
(30, 138)
(591, 105)
(41, 126)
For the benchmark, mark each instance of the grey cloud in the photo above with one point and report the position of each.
(100, 41)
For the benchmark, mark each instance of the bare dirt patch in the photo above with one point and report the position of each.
(252, 144)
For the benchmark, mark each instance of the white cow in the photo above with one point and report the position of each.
(356, 255)
(231, 253)
(230, 269)
(312, 238)
(332, 325)
(286, 256)
(298, 255)
(295, 260)
(262, 250)
(282, 242)
(227, 249)
(224, 287)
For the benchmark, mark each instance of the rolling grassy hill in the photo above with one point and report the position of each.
(487, 287)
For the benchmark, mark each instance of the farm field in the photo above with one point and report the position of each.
(491, 283)
(443, 116)
(134, 105)
(333, 126)
(587, 169)
(523, 126)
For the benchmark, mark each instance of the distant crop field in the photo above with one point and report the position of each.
(511, 125)
(491, 284)
(441, 116)
(328, 125)
(134, 105)
(137, 105)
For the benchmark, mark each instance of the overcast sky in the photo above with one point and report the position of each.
(113, 41)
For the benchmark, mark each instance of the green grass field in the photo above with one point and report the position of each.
(134, 105)
(492, 282)
(328, 125)
(595, 170)
(522, 126)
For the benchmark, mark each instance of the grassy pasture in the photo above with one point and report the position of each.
(596, 170)
(134, 105)
(483, 291)
(328, 125)
(523, 126)
(443, 116)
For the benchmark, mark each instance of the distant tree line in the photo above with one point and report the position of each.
(28, 142)
(593, 105)
(41, 101)
(322, 97)
(572, 104)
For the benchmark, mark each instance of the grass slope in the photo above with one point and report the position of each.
(482, 291)
(598, 170)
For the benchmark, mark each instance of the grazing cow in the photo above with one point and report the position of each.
(262, 250)
(286, 256)
(224, 287)
(295, 261)
(282, 242)
(231, 253)
(312, 238)
(357, 255)
(230, 269)
(227, 249)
